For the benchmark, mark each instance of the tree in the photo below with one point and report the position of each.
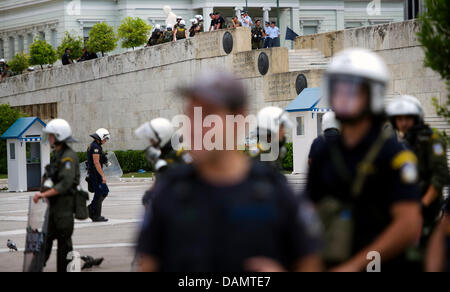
(101, 39)
(8, 116)
(74, 43)
(42, 53)
(435, 38)
(19, 63)
(133, 32)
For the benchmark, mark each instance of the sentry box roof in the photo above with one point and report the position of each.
(20, 127)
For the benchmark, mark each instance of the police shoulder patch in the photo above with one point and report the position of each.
(438, 149)
(403, 158)
(409, 173)
(96, 150)
(68, 165)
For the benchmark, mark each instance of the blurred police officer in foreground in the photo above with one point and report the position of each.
(273, 123)
(225, 212)
(363, 181)
(96, 159)
(330, 128)
(160, 154)
(406, 115)
(62, 178)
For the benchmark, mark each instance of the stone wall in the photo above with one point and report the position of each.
(398, 44)
(120, 92)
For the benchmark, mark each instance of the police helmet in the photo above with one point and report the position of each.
(405, 105)
(272, 118)
(349, 73)
(60, 129)
(182, 23)
(329, 121)
(159, 130)
(101, 134)
(157, 27)
(199, 17)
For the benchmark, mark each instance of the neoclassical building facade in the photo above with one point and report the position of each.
(23, 20)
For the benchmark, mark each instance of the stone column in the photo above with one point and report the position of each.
(207, 19)
(266, 16)
(238, 10)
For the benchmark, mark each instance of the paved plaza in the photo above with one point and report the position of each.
(113, 240)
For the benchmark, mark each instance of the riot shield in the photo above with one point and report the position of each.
(112, 170)
(37, 228)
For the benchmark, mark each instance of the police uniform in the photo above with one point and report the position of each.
(197, 227)
(328, 134)
(100, 189)
(171, 158)
(66, 178)
(277, 164)
(389, 179)
(433, 170)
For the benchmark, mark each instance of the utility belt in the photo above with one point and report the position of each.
(336, 215)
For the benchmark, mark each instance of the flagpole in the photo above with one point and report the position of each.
(278, 13)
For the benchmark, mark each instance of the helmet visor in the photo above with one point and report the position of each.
(349, 96)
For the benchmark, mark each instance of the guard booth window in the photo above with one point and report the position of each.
(300, 126)
(12, 151)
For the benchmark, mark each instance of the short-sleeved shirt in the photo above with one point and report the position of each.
(220, 22)
(194, 226)
(94, 148)
(249, 19)
(394, 180)
(273, 32)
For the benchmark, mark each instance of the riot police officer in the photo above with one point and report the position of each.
(62, 178)
(363, 181)
(273, 124)
(330, 127)
(96, 159)
(160, 154)
(225, 212)
(406, 115)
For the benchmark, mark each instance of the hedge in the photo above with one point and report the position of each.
(288, 161)
(130, 161)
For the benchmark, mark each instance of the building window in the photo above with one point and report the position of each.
(12, 49)
(310, 30)
(42, 36)
(86, 31)
(12, 151)
(21, 44)
(300, 126)
(30, 39)
(53, 39)
(353, 24)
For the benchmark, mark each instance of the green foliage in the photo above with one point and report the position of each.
(130, 161)
(19, 63)
(101, 38)
(288, 161)
(74, 43)
(7, 117)
(42, 53)
(133, 32)
(435, 38)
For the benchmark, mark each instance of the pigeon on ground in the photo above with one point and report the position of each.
(11, 245)
(90, 262)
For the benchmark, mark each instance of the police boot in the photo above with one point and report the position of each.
(98, 216)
